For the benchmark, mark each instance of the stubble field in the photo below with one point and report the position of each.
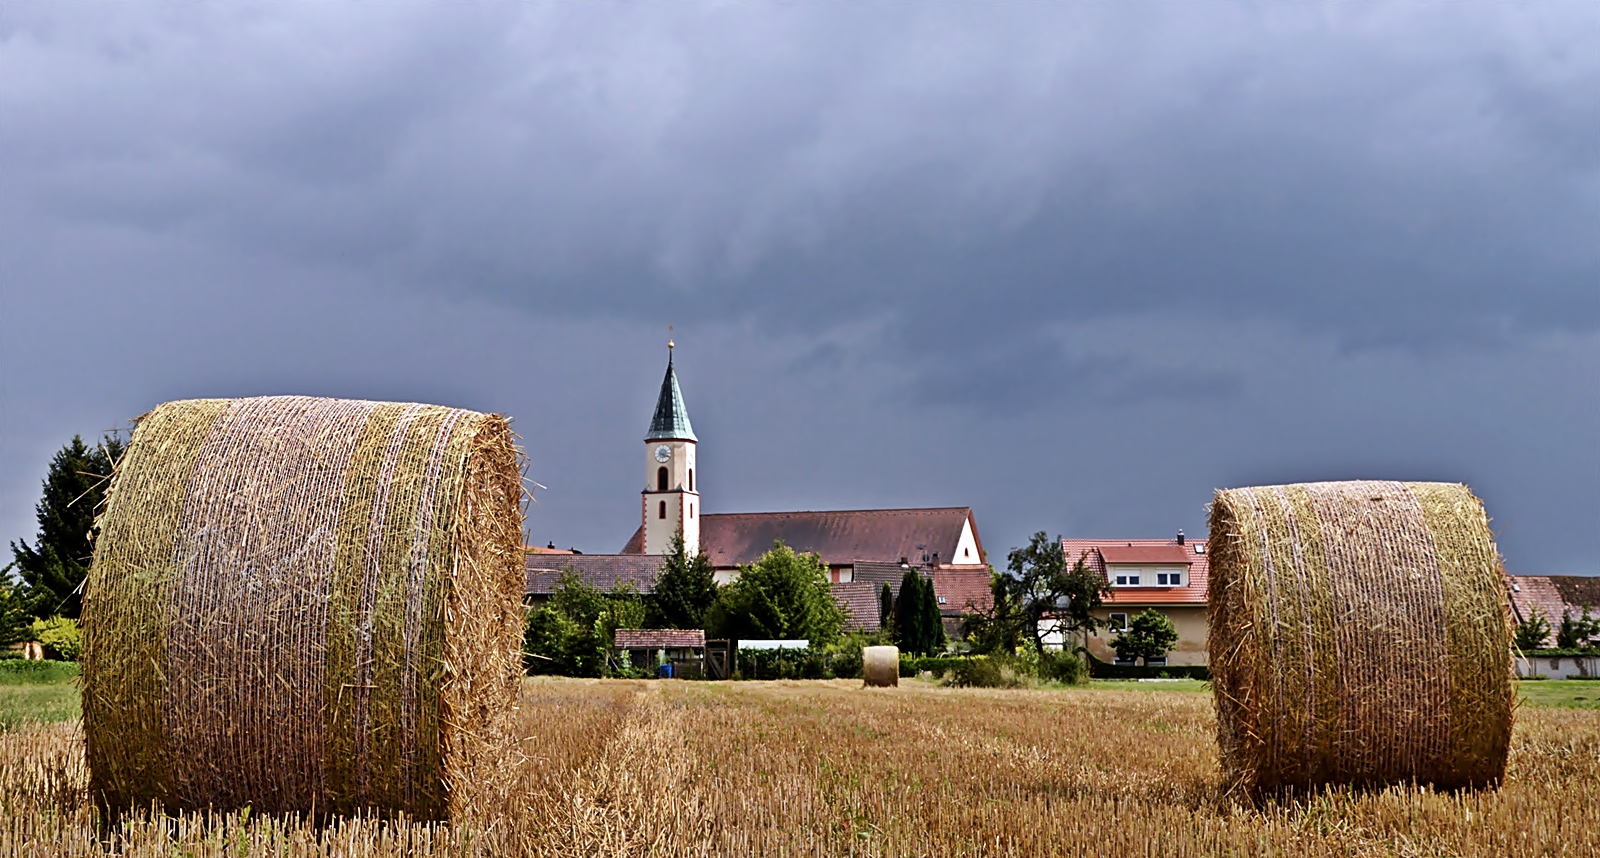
(829, 768)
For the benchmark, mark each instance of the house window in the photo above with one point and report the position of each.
(1169, 579)
(1119, 622)
(1127, 580)
(966, 552)
(691, 479)
(661, 479)
(661, 511)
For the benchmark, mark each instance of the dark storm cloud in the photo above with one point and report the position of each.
(976, 213)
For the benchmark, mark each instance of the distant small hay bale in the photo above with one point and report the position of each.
(304, 605)
(1359, 634)
(880, 666)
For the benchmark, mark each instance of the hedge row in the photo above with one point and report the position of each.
(1106, 670)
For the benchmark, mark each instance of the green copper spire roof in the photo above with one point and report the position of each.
(672, 419)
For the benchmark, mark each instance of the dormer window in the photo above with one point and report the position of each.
(1133, 576)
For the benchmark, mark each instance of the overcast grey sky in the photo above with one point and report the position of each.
(1074, 265)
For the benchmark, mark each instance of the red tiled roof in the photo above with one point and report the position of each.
(1553, 595)
(1193, 593)
(660, 638)
(860, 603)
(1171, 553)
(962, 589)
(839, 536)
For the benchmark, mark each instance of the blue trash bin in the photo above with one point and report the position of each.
(666, 671)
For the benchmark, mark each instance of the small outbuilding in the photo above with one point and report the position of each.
(675, 652)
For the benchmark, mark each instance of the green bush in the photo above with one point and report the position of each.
(1105, 670)
(782, 664)
(20, 672)
(59, 636)
(1067, 668)
(985, 671)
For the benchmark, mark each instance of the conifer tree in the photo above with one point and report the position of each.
(53, 568)
(685, 589)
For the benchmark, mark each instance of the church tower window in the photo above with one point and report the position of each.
(661, 479)
(691, 479)
(661, 511)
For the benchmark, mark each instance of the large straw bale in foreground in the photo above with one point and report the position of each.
(1359, 634)
(880, 666)
(304, 604)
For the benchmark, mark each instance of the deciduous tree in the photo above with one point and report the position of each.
(1052, 596)
(783, 595)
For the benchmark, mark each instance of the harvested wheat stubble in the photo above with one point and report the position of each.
(1359, 634)
(304, 605)
(880, 666)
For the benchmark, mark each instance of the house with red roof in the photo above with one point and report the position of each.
(1552, 596)
(1169, 575)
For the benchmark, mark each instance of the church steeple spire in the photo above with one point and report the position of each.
(669, 493)
(671, 420)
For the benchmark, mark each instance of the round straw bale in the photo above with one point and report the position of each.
(1359, 634)
(304, 605)
(880, 666)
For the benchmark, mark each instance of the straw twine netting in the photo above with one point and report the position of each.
(304, 605)
(1358, 635)
(880, 666)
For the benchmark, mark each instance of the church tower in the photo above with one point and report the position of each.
(670, 499)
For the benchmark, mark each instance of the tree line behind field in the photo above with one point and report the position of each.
(786, 595)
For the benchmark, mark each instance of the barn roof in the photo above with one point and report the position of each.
(839, 536)
(605, 571)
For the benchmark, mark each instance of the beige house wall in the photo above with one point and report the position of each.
(1190, 621)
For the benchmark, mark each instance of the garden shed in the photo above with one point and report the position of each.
(683, 649)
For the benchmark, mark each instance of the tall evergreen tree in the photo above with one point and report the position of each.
(14, 617)
(932, 623)
(53, 568)
(916, 615)
(886, 608)
(685, 589)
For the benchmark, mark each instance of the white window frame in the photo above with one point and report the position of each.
(1111, 622)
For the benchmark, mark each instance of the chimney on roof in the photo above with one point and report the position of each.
(552, 544)
(1180, 536)
(575, 551)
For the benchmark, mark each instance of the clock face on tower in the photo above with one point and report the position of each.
(663, 453)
